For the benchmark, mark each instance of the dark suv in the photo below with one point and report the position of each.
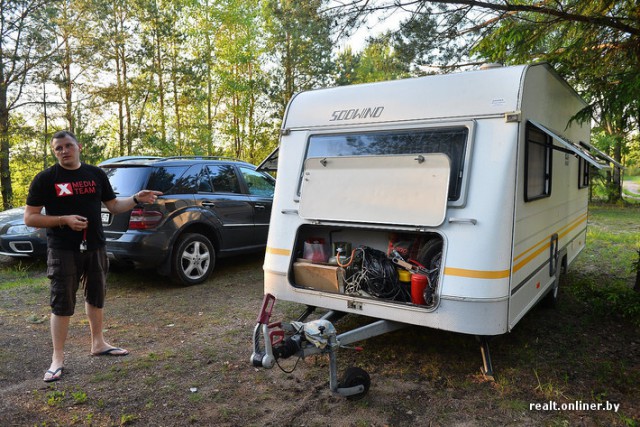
(211, 207)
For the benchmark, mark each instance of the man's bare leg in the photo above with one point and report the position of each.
(98, 345)
(59, 330)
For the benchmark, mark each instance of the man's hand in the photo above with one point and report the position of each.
(147, 196)
(74, 222)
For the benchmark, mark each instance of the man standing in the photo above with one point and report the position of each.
(71, 193)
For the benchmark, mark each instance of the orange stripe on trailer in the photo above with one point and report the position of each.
(561, 233)
(278, 251)
(546, 244)
(525, 261)
(476, 274)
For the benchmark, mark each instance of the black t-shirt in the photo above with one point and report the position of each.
(72, 192)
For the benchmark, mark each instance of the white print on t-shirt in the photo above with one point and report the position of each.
(63, 189)
(79, 187)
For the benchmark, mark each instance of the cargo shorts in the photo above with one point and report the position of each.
(68, 269)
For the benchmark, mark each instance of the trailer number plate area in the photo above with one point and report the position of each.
(354, 305)
(400, 189)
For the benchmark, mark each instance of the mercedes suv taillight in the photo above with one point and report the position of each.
(144, 220)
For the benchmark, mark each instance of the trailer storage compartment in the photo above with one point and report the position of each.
(401, 267)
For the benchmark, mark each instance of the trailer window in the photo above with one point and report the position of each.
(583, 170)
(449, 141)
(537, 164)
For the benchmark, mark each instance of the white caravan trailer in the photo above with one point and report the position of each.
(477, 181)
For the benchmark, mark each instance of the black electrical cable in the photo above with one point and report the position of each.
(292, 369)
(381, 280)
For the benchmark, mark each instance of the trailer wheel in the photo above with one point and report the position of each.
(550, 300)
(355, 376)
(430, 254)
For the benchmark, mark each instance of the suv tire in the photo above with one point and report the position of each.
(193, 259)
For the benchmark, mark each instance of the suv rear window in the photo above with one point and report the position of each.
(127, 181)
(168, 180)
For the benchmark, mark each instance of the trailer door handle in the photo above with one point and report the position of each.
(472, 221)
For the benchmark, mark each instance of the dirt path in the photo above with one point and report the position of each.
(190, 365)
(632, 187)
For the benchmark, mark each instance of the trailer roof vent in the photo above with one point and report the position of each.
(490, 65)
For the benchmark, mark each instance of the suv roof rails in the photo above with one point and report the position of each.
(199, 158)
(127, 159)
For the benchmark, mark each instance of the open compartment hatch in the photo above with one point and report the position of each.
(400, 189)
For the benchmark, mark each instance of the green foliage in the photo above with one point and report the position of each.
(424, 40)
(30, 155)
(20, 273)
(79, 397)
(608, 265)
(611, 297)
(299, 45)
(126, 419)
(55, 398)
(177, 78)
(213, 77)
(587, 45)
(377, 62)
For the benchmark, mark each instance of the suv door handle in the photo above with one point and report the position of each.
(260, 207)
(209, 204)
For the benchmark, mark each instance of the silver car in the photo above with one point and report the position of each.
(17, 240)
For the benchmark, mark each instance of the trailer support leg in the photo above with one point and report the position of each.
(487, 366)
(307, 312)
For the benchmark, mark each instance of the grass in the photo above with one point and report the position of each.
(23, 274)
(606, 270)
(55, 398)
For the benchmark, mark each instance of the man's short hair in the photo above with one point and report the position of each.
(64, 134)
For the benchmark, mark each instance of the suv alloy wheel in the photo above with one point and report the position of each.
(193, 259)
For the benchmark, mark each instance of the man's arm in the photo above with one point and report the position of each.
(33, 217)
(123, 204)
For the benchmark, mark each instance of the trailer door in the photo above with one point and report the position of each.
(396, 189)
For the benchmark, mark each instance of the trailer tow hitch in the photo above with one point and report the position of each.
(279, 340)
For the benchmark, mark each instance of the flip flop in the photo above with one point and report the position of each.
(112, 352)
(55, 376)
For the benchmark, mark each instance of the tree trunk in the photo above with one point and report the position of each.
(127, 104)
(636, 287)
(617, 172)
(176, 98)
(119, 92)
(45, 145)
(66, 71)
(5, 171)
(159, 71)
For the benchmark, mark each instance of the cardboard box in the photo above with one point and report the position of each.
(322, 277)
